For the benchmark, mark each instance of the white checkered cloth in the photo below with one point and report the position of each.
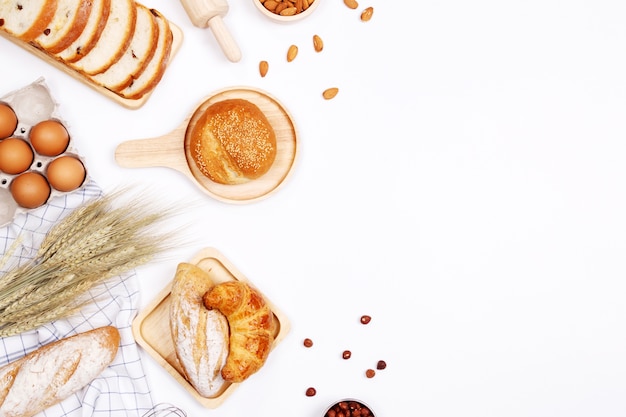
(122, 390)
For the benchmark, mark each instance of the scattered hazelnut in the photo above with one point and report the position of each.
(310, 392)
(308, 342)
(346, 354)
(381, 365)
(370, 373)
(365, 319)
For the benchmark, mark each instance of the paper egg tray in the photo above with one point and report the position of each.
(31, 104)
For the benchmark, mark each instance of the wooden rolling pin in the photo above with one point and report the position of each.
(209, 13)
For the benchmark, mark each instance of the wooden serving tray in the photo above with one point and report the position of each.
(131, 104)
(172, 149)
(151, 327)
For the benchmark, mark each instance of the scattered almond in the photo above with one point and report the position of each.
(330, 93)
(318, 43)
(366, 14)
(263, 67)
(292, 53)
(353, 4)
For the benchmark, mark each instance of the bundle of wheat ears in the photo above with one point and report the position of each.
(97, 241)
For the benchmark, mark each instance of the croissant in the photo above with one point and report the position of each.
(252, 327)
(200, 336)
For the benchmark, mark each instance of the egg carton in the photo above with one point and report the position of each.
(32, 104)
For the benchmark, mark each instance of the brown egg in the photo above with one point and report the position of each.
(66, 173)
(30, 189)
(49, 137)
(16, 156)
(8, 121)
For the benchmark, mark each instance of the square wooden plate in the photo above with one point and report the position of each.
(151, 327)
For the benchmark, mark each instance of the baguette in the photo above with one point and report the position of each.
(55, 371)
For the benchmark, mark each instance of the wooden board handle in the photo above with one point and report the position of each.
(164, 151)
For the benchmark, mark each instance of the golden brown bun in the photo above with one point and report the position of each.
(55, 371)
(233, 142)
(200, 335)
(252, 327)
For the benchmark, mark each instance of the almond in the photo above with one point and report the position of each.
(353, 4)
(270, 5)
(292, 53)
(288, 11)
(366, 14)
(280, 7)
(263, 67)
(330, 93)
(318, 43)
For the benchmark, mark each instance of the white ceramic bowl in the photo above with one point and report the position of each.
(286, 19)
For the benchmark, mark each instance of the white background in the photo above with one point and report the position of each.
(465, 189)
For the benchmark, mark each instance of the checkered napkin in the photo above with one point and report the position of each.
(122, 389)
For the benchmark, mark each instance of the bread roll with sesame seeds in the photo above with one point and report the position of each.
(233, 142)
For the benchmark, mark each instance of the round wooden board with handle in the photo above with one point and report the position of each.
(171, 151)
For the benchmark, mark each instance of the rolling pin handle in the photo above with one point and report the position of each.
(224, 38)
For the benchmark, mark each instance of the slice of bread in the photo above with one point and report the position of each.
(26, 19)
(152, 74)
(113, 41)
(100, 10)
(120, 46)
(137, 56)
(67, 24)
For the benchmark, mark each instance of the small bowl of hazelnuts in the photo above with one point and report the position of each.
(348, 408)
(286, 10)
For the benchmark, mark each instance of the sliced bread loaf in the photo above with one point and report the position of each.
(100, 10)
(137, 56)
(26, 19)
(152, 74)
(67, 24)
(113, 40)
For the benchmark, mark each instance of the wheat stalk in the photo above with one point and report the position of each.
(97, 241)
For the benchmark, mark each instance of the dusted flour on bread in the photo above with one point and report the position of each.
(53, 372)
(200, 335)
